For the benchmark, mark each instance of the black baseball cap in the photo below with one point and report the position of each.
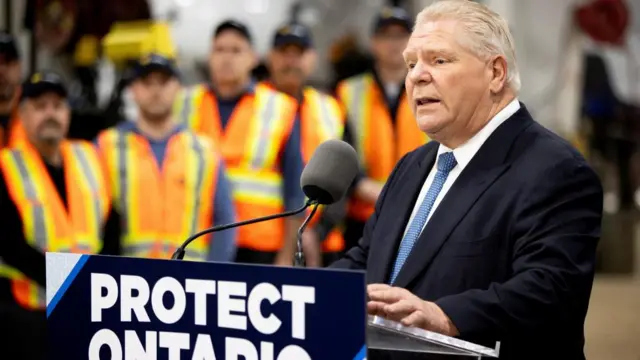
(155, 63)
(8, 48)
(293, 34)
(234, 25)
(392, 16)
(43, 82)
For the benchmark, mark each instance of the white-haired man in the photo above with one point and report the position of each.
(489, 232)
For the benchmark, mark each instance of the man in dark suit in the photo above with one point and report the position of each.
(489, 232)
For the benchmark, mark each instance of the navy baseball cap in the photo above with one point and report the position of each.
(155, 63)
(8, 48)
(233, 25)
(392, 16)
(41, 83)
(293, 34)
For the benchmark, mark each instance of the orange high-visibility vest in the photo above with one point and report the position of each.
(251, 145)
(321, 119)
(379, 142)
(47, 225)
(15, 131)
(161, 206)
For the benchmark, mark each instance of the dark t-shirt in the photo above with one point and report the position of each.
(4, 124)
(25, 331)
(14, 249)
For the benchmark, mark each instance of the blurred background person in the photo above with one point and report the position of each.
(52, 198)
(379, 116)
(11, 129)
(258, 132)
(167, 183)
(291, 61)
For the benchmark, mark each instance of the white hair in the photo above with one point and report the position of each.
(487, 32)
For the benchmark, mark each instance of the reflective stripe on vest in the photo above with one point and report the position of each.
(47, 225)
(160, 207)
(322, 119)
(186, 108)
(379, 141)
(251, 145)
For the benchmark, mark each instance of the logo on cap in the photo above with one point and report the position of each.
(36, 78)
(146, 59)
(387, 12)
(285, 30)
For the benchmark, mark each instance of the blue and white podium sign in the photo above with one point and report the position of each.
(102, 307)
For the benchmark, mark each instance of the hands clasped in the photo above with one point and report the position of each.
(401, 305)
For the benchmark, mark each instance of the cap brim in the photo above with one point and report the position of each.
(37, 90)
(241, 29)
(291, 41)
(155, 68)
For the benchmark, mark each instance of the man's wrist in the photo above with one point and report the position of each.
(449, 327)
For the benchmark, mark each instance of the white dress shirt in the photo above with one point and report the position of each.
(463, 154)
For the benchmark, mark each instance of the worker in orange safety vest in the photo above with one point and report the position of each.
(291, 61)
(53, 197)
(258, 133)
(379, 116)
(167, 183)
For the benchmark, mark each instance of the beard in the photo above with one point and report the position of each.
(292, 71)
(50, 131)
(289, 80)
(156, 113)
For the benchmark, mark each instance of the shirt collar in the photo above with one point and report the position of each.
(250, 90)
(130, 126)
(466, 151)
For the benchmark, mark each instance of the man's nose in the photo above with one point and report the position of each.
(420, 74)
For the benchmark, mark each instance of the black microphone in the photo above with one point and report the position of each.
(324, 180)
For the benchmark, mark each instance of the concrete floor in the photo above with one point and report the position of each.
(613, 322)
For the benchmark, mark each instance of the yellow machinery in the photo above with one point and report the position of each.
(126, 41)
(129, 41)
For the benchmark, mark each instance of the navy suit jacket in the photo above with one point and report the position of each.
(509, 254)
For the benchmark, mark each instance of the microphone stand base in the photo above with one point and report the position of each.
(298, 260)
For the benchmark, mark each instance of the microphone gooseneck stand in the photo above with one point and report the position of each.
(298, 258)
(180, 252)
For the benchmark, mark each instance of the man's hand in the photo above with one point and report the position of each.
(311, 248)
(401, 305)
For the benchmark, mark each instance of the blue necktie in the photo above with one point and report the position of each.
(446, 162)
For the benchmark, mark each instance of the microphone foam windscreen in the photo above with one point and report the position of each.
(330, 172)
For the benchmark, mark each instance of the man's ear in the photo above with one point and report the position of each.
(499, 73)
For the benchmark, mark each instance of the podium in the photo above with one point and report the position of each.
(390, 336)
(119, 308)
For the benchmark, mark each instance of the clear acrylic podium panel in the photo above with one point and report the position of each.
(387, 335)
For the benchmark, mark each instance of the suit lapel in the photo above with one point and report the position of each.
(488, 164)
(403, 202)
